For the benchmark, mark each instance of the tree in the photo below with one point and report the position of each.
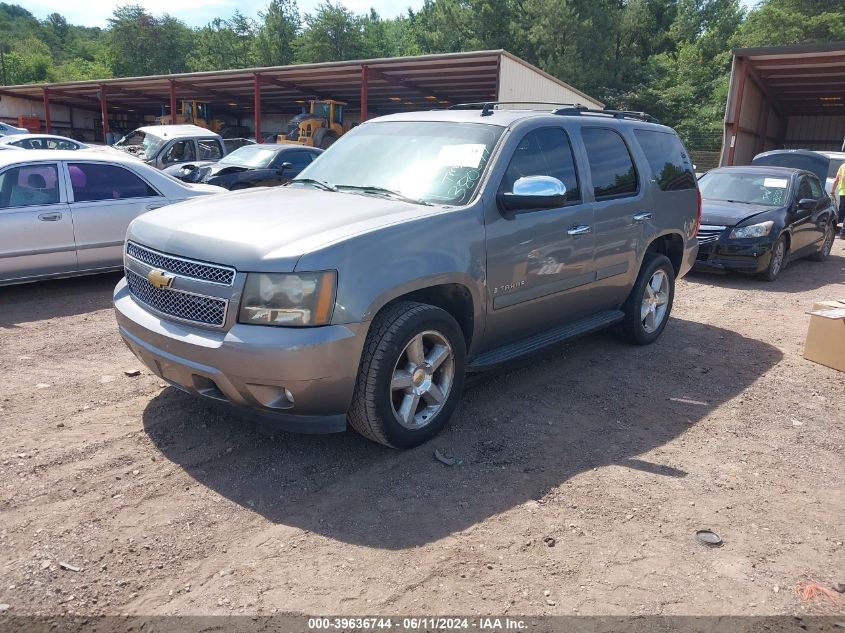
(276, 36)
(777, 22)
(224, 44)
(142, 44)
(333, 33)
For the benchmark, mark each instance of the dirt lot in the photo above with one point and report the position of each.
(169, 506)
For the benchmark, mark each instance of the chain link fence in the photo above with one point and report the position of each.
(705, 148)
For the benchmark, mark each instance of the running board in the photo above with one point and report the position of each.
(567, 332)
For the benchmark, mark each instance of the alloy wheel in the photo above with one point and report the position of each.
(777, 257)
(422, 379)
(655, 301)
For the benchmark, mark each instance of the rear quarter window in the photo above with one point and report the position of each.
(670, 164)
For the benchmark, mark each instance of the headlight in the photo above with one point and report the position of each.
(288, 299)
(753, 230)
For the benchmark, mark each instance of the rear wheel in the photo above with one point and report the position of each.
(410, 377)
(827, 243)
(648, 306)
(777, 262)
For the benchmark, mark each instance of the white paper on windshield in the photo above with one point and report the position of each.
(464, 155)
(779, 183)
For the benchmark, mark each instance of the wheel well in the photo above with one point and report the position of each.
(788, 237)
(670, 245)
(453, 298)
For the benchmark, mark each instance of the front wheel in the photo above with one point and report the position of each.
(777, 261)
(648, 306)
(410, 377)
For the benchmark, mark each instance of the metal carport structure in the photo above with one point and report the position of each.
(373, 86)
(785, 97)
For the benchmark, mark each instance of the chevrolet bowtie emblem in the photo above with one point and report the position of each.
(159, 279)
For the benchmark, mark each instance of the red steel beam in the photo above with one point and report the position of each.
(365, 76)
(104, 113)
(46, 110)
(257, 107)
(740, 93)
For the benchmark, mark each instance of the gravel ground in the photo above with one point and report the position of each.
(585, 473)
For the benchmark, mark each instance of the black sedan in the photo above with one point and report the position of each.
(758, 219)
(262, 165)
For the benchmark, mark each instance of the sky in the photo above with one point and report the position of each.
(201, 12)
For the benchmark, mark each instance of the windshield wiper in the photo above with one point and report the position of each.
(310, 181)
(386, 192)
(740, 201)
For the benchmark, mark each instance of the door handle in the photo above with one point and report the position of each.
(580, 230)
(50, 217)
(643, 216)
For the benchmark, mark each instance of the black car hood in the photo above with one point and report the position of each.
(220, 169)
(724, 213)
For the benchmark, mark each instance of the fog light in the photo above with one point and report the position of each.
(289, 396)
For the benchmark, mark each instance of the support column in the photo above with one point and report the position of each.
(257, 109)
(104, 113)
(173, 101)
(46, 111)
(740, 93)
(365, 73)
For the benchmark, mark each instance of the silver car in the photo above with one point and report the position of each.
(41, 141)
(65, 213)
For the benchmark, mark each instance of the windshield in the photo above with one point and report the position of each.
(433, 161)
(250, 156)
(744, 187)
(149, 144)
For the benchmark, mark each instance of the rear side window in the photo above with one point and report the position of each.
(545, 152)
(29, 185)
(209, 149)
(93, 181)
(670, 165)
(611, 166)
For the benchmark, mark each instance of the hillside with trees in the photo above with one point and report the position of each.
(669, 57)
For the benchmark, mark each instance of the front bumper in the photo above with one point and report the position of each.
(249, 367)
(748, 256)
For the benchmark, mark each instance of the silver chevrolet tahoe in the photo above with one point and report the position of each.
(421, 246)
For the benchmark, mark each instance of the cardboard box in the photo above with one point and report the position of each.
(826, 335)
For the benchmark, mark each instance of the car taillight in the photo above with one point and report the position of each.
(698, 217)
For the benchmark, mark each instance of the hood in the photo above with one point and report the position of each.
(204, 189)
(724, 213)
(220, 169)
(266, 229)
(796, 159)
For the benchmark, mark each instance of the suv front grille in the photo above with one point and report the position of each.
(176, 303)
(709, 233)
(214, 273)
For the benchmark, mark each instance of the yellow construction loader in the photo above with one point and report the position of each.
(199, 113)
(319, 127)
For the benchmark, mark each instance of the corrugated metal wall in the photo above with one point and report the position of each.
(521, 82)
(815, 132)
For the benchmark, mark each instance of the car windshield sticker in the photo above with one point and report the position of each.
(463, 155)
(779, 183)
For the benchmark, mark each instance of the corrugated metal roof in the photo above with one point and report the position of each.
(800, 79)
(395, 83)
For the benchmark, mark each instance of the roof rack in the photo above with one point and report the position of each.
(487, 107)
(616, 114)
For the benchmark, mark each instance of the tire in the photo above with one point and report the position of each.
(636, 328)
(777, 262)
(377, 410)
(827, 243)
(327, 141)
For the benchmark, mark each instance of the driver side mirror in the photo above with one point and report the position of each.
(806, 204)
(531, 193)
(283, 167)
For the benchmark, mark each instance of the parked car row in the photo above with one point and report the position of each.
(421, 246)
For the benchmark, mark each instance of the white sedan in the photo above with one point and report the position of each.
(65, 213)
(41, 141)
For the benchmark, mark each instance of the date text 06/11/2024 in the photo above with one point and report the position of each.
(415, 624)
